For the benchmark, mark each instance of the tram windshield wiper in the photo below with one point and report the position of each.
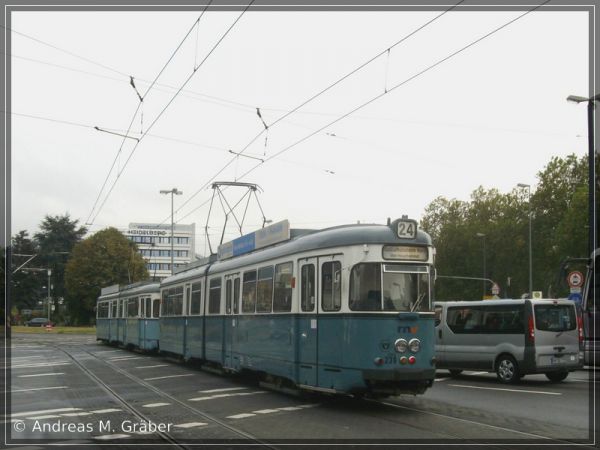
(418, 302)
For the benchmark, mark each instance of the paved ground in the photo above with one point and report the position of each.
(67, 389)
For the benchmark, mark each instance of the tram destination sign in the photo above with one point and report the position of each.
(277, 232)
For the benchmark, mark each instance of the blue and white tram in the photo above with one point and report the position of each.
(345, 309)
(128, 315)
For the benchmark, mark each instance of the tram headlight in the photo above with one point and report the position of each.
(414, 345)
(401, 345)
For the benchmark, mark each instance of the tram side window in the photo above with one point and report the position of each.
(132, 307)
(282, 298)
(148, 312)
(228, 292)
(214, 296)
(176, 297)
(307, 281)
(264, 289)
(236, 295)
(102, 310)
(195, 305)
(249, 292)
(165, 304)
(114, 307)
(156, 308)
(331, 295)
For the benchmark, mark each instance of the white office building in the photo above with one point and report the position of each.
(154, 244)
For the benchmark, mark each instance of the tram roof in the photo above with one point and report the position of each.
(142, 287)
(307, 240)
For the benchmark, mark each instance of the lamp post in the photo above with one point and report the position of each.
(523, 185)
(173, 192)
(591, 170)
(481, 235)
(49, 286)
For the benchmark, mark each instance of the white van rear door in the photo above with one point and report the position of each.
(556, 335)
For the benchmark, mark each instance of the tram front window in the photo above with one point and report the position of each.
(404, 287)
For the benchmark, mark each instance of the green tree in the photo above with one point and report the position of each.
(26, 286)
(104, 259)
(559, 219)
(55, 240)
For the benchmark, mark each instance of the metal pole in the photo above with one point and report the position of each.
(591, 172)
(530, 246)
(49, 273)
(483, 296)
(172, 227)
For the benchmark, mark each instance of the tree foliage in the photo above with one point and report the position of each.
(27, 287)
(55, 240)
(104, 259)
(559, 215)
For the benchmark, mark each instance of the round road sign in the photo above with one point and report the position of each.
(575, 279)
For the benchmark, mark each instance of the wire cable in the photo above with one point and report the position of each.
(168, 104)
(335, 83)
(418, 74)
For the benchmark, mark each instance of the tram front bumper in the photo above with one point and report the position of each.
(398, 381)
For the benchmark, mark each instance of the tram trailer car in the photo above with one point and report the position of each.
(341, 310)
(128, 316)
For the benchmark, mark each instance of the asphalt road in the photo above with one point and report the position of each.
(71, 389)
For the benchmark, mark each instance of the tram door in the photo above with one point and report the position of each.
(307, 322)
(232, 298)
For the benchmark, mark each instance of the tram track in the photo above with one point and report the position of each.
(250, 439)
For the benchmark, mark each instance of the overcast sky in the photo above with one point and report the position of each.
(492, 115)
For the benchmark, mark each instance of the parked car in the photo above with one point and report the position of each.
(38, 322)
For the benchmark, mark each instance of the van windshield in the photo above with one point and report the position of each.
(555, 317)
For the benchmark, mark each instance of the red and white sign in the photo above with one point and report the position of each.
(575, 279)
(495, 289)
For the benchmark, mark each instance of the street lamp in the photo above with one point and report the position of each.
(591, 170)
(173, 192)
(523, 185)
(481, 235)
(49, 286)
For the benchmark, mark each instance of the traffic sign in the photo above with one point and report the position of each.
(495, 289)
(575, 279)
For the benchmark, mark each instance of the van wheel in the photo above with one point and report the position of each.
(455, 372)
(555, 377)
(507, 369)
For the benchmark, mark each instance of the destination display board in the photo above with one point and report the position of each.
(277, 232)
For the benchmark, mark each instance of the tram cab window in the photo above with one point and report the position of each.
(365, 287)
(282, 298)
(307, 283)
(398, 288)
(195, 305)
(331, 294)
(264, 289)
(249, 292)
(214, 296)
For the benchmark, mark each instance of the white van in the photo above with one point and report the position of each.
(510, 337)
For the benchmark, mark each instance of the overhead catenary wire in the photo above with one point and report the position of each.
(141, 98)
(169, 103)
(304, 103)
(377, 97)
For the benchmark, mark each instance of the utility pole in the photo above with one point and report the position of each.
(173, 192)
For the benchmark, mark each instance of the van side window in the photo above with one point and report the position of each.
(497, 319)
(464, 319)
